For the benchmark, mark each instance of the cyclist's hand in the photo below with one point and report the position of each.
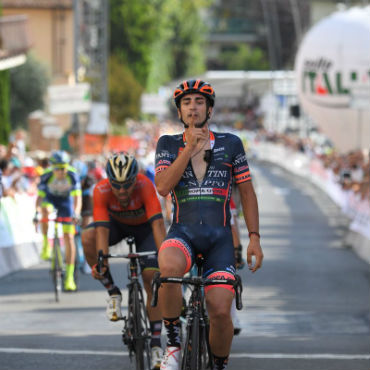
(239, 261)
(96, 274)
(195, 137)
(254, 249)
(36, 219)
(76, 219)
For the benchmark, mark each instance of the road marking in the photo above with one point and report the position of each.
(303, 356)
(300, 356)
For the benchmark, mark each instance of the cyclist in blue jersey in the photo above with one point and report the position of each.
(60, 187)
(198, 167)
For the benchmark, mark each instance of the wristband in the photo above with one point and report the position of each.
(255, 233)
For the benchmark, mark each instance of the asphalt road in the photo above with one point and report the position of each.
(308, 307)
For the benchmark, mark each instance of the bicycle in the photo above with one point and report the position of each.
(136, 333)
(196, 351)
(57, 260)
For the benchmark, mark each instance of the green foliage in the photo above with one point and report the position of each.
(134, 28)
(4, 107)
(124, 91)
(158, 39)
(189, 37)
(243, 57)
(28, 84)
(118, 130)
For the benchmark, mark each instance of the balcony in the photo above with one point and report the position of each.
(14, 41)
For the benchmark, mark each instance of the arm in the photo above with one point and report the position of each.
(102, 240)
(102, 243)
(250, 210)
(168, 178)
(77, 203)
(159, 231)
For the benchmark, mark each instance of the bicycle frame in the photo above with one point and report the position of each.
(197, 322)
(136, 331)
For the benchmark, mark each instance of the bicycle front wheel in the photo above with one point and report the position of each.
(141, 330)
(205, 354)
(190, 356)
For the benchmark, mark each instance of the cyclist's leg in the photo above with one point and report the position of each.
(175, 259)
(68, 234)
(221, 331)
(65, 210)
(220, 264)
(46, 209)
(70, 256)
(88, 239)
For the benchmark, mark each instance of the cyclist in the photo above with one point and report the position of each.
(60, 187)
(126, 204)
(198, 167)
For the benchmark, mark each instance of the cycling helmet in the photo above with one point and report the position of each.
(59, 157)
(194, 86)
(122, 167)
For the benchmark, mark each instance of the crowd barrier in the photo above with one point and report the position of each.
(19, 243)
(357, 210)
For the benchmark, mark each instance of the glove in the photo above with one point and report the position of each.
(239, 261)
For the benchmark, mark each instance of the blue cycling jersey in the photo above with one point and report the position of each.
(205, 202)
(60, 192)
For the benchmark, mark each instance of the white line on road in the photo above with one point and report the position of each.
(301, 356)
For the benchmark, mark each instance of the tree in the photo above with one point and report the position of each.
(133, 30)
(243, 57)
(28, 84)
(4, 104)
(4, 107)
(124, 92)
(159, 39)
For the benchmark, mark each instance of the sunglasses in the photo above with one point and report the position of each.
(119, 185)
(59, 167)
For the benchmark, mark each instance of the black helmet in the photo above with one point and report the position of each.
(122, 167)
(194, 86)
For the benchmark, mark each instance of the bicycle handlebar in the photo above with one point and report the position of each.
(197, 281)
(102, 256)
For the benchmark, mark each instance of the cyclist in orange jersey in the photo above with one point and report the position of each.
(126, 204)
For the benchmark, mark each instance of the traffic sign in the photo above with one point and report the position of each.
(65, 99)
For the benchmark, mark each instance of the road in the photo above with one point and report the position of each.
(307, 308)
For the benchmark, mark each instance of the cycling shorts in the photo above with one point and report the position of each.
(214, 242)
(63, 208)
(144, 240)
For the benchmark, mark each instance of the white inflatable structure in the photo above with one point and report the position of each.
(333, 77)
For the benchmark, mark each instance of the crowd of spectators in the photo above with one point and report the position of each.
(21, 170)
(351, 170)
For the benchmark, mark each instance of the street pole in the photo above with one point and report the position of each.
(76, 127)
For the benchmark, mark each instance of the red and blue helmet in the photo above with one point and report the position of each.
(194, 87)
